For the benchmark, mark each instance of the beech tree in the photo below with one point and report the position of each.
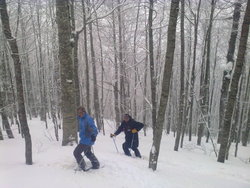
(68, 97)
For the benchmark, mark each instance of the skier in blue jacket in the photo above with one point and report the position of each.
(87, 133)
(130, 127)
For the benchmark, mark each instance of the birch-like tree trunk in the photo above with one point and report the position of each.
(68, 98)
(234, 85)
(19, 83)
(157, 133)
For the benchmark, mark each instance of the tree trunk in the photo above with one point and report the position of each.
(230, 59)
(157, 133)
(152, 66)
(1, 134)
(245, 134)
(204, 91)
(96, 96)
(68, 98)
(135, 63)
(234, 85)
(5, 121)
(182, 91)
(18, 75)
(88, 100)
(121, 61)
(144, 103)
(75, 35)
(193, 76)
(116, 90)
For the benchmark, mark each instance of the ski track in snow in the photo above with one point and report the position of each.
(191, 167)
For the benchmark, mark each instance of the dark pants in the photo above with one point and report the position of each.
(87, 151)
(126, 147)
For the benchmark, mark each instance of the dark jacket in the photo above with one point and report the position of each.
(130, 138)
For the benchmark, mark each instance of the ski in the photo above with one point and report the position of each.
(78, 169)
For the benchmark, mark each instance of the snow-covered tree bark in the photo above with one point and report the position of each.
(230, 60)
(157, 133)
(234, 85)
(19, 83)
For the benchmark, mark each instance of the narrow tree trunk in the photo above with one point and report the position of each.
(5, 121)
(135, 63)
(144, 103)
(157, 133)
(88, 100)
(116, 90)
(102, 79)
(182, 91)
(206, 81)
(186, 120)
(68, 98)
(245, 134)
(18, 75)
(121, 61)
(234, 85)
(193, 77)
(1, 134)
(41, 71)
(96, 96)
(152, 66)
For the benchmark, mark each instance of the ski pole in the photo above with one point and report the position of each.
(115, 144)
(132, 141)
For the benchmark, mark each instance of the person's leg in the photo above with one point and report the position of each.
(77, 153)
(137, 152)
(90, 155)
(125, 149)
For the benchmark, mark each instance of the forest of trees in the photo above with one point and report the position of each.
(179, 66)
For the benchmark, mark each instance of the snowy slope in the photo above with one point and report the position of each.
(54, 165)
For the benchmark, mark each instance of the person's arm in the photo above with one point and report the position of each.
(137, 127)
(93, 128)
(118, 131)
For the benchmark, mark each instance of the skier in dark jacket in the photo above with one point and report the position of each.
(130, 127)
(87, 133)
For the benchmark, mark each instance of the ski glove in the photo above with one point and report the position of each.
(93, 138)
(112, 135)
(134, 131)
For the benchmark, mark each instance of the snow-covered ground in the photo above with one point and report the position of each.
(190, 167)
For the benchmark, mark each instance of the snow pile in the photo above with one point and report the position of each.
(54, 165)
(226, 66)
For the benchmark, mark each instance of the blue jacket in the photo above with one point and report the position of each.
(87, 128)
